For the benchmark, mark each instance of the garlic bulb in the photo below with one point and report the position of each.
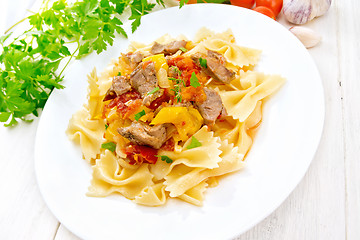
(302, 11)
(306, 35)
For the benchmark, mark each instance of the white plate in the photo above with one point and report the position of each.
(282, 151)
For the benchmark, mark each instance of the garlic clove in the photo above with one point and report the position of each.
(302, 11)
(297, 12)
(307, 36)
(320, 7)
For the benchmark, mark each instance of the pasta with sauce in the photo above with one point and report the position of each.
(165, 120)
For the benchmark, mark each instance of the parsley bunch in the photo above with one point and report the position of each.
(29, 64)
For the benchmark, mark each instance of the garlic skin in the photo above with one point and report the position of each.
(320, 7)
(307, 36)
(302, 11)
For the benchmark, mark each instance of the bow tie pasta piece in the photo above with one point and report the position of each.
(204, 156)
(205, 34)
(182, 178)
(235, 55)
(195, 195)
(86, 132)
(241, 103)
(109, 177)
(152, 195)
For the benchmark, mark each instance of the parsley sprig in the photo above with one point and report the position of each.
(29, 62)
(179, 83)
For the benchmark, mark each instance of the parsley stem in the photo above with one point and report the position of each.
(71, 57)
(14, 25)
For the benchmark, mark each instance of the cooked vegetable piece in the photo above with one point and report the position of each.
(187, 120)
(138, 154)
(158, 60)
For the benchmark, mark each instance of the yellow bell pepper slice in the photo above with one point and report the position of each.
(186, 120)
(158, 60)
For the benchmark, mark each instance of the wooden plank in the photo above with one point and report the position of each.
(23, 213)
(349, 56)
(316, 209)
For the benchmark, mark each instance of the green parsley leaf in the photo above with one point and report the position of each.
(139, 115)
(194, 143)
(164, 158)
(183, 2)
(4, 116)
(119, 74)
(183, 49)
(194, 81)
(153, 91)
(106, 126)
(109, 145)
(203, 62)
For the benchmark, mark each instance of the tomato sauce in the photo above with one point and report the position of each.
(119, 102)
(187, 66)
(138, 154)
(162, 99)
(169, 145)
(193, 94)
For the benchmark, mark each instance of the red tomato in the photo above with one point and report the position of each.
(274, 5)
(266, 11)
(243, 3)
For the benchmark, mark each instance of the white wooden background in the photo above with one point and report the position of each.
(325, 205)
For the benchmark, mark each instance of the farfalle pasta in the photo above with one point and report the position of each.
(167, 119)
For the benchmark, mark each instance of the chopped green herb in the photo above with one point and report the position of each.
(164, 158)
(153, 91)
(194, 81)
(106, 126)
(109, 145)
(194, 143)
(177, 70)
(119, 74)
(183, 49)
(203, 62)
(177, 88)
(139, 115)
